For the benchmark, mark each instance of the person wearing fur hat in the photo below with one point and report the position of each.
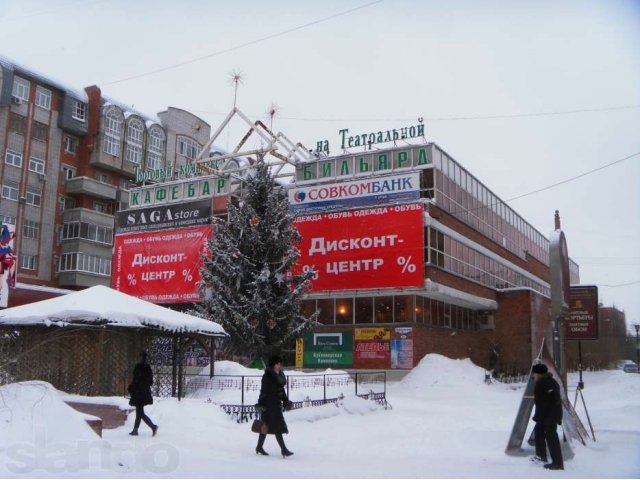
(140, 391)
(548, 416)
(270, 403)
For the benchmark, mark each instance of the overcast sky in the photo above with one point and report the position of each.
(485, 75)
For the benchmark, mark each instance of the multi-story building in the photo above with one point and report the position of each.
(68, 158)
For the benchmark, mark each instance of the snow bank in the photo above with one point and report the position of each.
(439, 371)
(34, 411)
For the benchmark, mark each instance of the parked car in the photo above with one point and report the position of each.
(630, 367)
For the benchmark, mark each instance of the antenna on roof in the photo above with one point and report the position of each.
(237, 78)
(274, 110)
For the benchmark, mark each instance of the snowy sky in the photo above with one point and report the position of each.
(458, 64)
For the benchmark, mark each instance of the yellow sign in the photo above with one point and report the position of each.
(299, 352)
(373, 333)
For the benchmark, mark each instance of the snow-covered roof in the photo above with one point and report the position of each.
(129, 110)
(43, 79)
(101, 305)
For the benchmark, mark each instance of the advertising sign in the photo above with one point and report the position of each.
(371, 347)
(362, 193)
(328, 350)
(372, 248)
(164, 217)
(402, 348)
(582, 320)
(299, 352)
(7, 261)
(160, 267)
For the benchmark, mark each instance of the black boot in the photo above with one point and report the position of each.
(134, 432)
(259, 449)
(283, 448)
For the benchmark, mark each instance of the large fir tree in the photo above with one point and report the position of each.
(247, 281)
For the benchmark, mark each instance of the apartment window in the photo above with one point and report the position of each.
(68, 172)
(31, 229)
(125, 183)
(43, 98)
(95, 233)
(70, 144)
(17, 123)
(13, 158)
(7, 219)
(79, 111)
(188, 147)
(39, 131)
(81, 262)
(102, 207)
(36, 165)
(28, 262)
(10, 190)
(66, 203)
(103, 178)
(155, 153)
(34, 196)
(20, 88)
(112, 132)
(135, 137)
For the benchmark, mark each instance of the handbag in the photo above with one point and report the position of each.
(260, 426)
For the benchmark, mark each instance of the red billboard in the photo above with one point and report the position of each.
(358, 249)
(582, 321)
(161, 266)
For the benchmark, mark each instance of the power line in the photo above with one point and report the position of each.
(573, 178)
(621, 284)
(246, 44)
(445, 118)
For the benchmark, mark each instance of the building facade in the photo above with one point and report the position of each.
(68, 159)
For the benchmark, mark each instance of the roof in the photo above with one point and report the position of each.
(103, 306)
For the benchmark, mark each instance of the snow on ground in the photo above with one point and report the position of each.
(445, 423)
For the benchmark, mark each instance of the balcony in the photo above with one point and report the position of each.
(91, 187)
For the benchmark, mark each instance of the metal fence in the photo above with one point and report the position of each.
(238, 394)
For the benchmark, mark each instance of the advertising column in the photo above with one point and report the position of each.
(7, 262)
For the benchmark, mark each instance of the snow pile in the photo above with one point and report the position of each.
(439, 371)
(35, 412)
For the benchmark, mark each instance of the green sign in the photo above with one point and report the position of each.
(328, 350)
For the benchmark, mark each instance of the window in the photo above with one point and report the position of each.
(70, 144)
(16, 123)
(103, 207)
(8, 219)
(79, 111)
(39, 131)
(10, 190)
(383, 309)
(28, 262)
(36, 165)
(156, 148)
(95, 233)
(364, 310)
(135, 137)
(344, 311)
(103, 178)
(43, 98)
(66, 203)
(112, 132)
(31, 229)
(81, 262)
(188, 147)
(68, 172)
(20, 88)
(34, 196)
(13, 158)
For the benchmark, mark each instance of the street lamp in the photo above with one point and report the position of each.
(637, 327)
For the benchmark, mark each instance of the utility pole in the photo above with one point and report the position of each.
(637, 327)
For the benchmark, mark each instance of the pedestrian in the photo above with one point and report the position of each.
(140, 391)
(270, 402)
(548, 416)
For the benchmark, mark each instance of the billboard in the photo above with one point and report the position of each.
(360, 249)
(164, 217)
(402, 348)
(328, 350)
(582, 320)
(357, 194)
(371, 347)
(161, 266)
(7, 261)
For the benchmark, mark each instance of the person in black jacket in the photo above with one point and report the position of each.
(140, 391)
(270, 403)
(548, 416)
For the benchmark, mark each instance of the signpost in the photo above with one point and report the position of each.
(582, 320)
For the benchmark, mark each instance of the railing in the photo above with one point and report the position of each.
(238, 394)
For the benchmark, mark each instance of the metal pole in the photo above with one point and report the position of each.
(242, 389)
(580, 383)
(593, 434)
(637, 327)
(324, 386)
(356, 384)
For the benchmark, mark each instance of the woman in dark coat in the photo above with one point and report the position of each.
(140, 391)
(271, 400)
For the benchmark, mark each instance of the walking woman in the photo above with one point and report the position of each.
(140, 391)
(271, 400)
